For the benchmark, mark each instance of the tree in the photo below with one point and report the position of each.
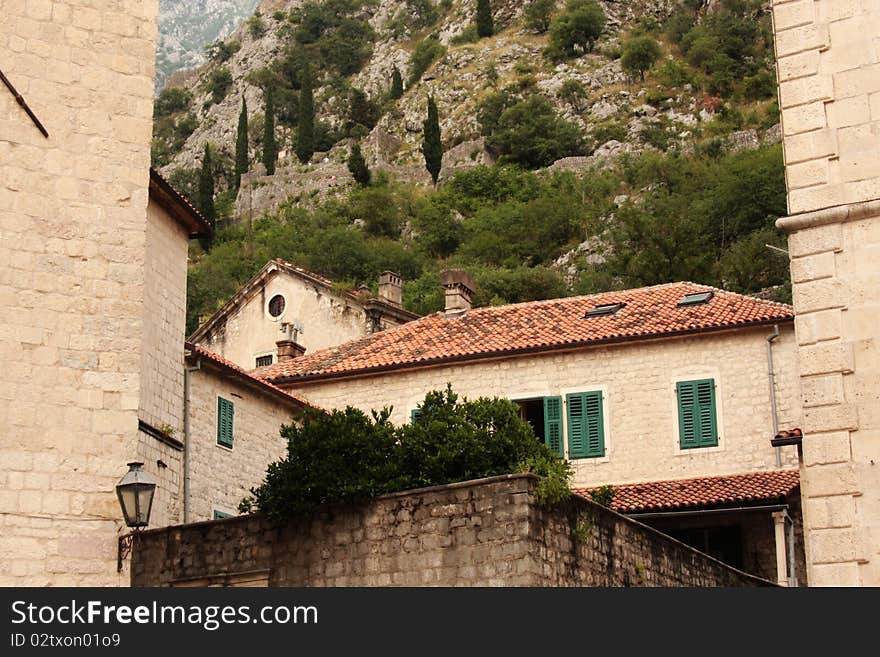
(241, 144)
(577, 29)
(432, 148)
(573, 93)
(485, 28)
(270, 148)
(532, 135)
(538, 14)
(396, 85)
(357, 165)
(305, 132)
(206, 187)
(638, 55)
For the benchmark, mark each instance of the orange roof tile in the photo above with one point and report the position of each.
(529, 327)
(703, 492)
(234, 369)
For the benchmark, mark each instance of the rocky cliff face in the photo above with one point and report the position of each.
(187, 26)
(459, 80)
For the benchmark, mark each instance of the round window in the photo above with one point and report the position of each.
(276, 305)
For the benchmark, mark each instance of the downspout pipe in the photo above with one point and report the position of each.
(186, 430)
(771, 378)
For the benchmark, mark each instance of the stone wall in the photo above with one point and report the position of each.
(828, 66)
(487, 532)
(638, 385)
(220, 476)
(73, 224)
(829, 73)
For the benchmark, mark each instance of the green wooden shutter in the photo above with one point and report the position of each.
(697, 418)
(219, 515)
(225, 415)
(414, 415)
(553, 425)
(586, 426)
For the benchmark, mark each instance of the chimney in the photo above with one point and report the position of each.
(390, 290)
(460, 288)
(288, 350)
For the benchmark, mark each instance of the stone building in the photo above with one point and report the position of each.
(233, 433)
(828, 65)
(648, 386)
(285, 310)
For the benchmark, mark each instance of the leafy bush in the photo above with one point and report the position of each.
(347, 457)
(256, 25)
(218, 84)
(426, 53)
(467, 35)
(531, 134)
(576, 30)
(537, 15)
(220, 51)
(171, 100)
(608, 131)
(638, 55)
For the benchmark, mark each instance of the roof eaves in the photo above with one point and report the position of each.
(178, 206)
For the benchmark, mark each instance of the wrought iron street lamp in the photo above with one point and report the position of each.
(135, 492)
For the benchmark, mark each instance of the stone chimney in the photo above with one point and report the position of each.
(390, 288)
(288, 350)
(460, 288)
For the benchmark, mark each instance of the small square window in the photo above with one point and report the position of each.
(264, 361)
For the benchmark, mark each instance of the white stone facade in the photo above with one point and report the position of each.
(828, 55)
(222, 476)
(638, 382)
(72, 261)
(245, 329)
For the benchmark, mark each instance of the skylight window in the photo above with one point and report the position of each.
(695, 299)
(604, 310)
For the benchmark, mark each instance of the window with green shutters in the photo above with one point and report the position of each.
(219, 515)
(414, 415)
(553, 425)
(697, 418)
(586, 425)
(225, 414)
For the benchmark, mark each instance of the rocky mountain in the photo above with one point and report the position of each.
(614, 111)
(187, 26)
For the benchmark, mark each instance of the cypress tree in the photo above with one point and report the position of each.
(241, 144)
(305, 133)
(432, 149)
(396, 84)
(485, 28)
(357, 165)
(206, 188)
(270, 148)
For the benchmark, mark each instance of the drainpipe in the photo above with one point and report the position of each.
(186, 455)
(771, 376)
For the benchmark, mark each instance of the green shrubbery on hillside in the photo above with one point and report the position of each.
(703, 217)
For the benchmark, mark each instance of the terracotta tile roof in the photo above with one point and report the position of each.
(703, 492)
(235, 370)
(529, 327)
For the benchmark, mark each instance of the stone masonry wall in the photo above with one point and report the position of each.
(72, 240)
(487, 532)
(638, 384)
(828, 55)
(828, 64)
(221, 477)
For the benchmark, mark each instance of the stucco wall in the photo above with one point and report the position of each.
(829, 73)
(638, 383)
(488, 532)
(221, 477)
(73, 226)
(250, 331)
